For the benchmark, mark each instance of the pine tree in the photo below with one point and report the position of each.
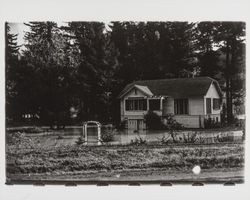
(231, 37)
(46, 55)
(208, 56)
(95, 69)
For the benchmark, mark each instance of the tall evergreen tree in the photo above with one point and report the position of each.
(46, 55)
(96, 65)
(231, 37)
(207, 50)
(85, 65)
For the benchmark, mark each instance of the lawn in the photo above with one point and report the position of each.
(51, 158)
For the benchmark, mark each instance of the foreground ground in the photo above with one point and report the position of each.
(28, 159)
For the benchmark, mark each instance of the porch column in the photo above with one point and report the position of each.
(85, 133)
(147, 104)
(205, 109)
(161, 104)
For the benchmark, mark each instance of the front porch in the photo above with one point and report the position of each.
(137, 105)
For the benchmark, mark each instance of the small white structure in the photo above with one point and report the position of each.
(85, 131)
(189, 100)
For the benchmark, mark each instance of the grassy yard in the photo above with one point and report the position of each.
(47, 158)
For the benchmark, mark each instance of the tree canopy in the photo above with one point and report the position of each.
(74, 72)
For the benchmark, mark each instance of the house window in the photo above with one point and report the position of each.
(135, 104)
(135, 91)
(208, 103)
(181, 106)
(154, 104)
(216, 104)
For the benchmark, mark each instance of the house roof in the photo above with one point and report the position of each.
(178, 87)
(144, 89)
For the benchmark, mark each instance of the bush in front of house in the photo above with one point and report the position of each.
(138, 141)
(225, 138)
(81, 140)
(121, 125)
(190, 137)
(19, 139)
(107, 136)
(211, 123)
(153, 121)
(165, 140)
(171, 123)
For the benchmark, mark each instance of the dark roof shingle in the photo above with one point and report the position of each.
(178, 87)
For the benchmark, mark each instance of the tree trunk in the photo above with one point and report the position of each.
(228, 88)
(232, 71)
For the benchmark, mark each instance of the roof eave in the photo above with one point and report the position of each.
(130, 88)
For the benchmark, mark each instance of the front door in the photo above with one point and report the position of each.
(140, 123)
(132, 124)
(136, 124)
(208, 103)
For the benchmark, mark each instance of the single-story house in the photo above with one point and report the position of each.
(189, 100)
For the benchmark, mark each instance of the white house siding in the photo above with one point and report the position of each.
(132, 94)
(190, 121)
(194, 118)
(196, 112)
(134, 118)
(196, 106)
(168, 106)
(212, 93)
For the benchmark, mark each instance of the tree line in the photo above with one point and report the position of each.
(67, 74)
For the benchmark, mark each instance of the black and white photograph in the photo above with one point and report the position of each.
(126, 102)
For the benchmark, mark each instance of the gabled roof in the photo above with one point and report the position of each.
(144, 89)
(177, 88)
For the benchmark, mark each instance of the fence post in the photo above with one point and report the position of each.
(85, 133)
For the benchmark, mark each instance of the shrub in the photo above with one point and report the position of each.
(138, 141)
(240, 123)
(211, 123)
(122, 124)
(171, 123)
(225, 138)
(107, 136)
(173, 135)
(165, 140)
(18, 139)
(153, 121)
(81, 140)
(59, 137)
(190, 137)
(15, 138)
(244, 135)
